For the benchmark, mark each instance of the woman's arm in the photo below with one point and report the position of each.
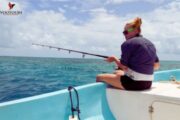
(117, 61)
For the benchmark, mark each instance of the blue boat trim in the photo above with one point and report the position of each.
(56, 105)
(166, 75)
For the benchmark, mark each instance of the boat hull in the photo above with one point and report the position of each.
(56, 105)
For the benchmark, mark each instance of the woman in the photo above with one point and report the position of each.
(137, 63)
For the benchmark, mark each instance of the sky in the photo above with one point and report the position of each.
(88, 25)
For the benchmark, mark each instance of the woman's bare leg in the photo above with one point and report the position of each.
(111, 79)
(119, 72)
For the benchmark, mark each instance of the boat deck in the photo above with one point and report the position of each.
(165, 89)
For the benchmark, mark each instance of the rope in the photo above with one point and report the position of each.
(72, 106)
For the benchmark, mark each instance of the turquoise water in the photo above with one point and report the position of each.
(27, 76)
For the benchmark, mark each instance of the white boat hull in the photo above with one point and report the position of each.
(162, 102)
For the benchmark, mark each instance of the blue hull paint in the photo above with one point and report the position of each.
(166, 75)
(56, 105)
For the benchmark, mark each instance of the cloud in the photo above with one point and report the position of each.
(60, 0)
(54, 29)
(49, 27)
(101, 34)
(123, 1)
(163, 28)
(61, 10)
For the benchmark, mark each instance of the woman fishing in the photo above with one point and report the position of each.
(138, 61)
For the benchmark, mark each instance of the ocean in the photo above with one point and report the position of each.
(22, 77)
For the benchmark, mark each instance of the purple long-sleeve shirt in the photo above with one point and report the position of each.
(139, 54)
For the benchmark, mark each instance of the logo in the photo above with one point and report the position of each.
(11, 10)
(11, 6)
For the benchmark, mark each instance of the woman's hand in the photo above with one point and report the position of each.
(111, 59)
(156, 65)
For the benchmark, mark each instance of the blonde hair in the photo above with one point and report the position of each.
(136, 23)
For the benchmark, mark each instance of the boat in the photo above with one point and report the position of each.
(97, 101)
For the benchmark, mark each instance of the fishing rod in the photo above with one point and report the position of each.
(70, 50)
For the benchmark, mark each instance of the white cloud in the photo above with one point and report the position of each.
(61, 10)
(123, 1)
(53, 28)
(102, 34)
(95, 10)
(58, 0)
(163, 27)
